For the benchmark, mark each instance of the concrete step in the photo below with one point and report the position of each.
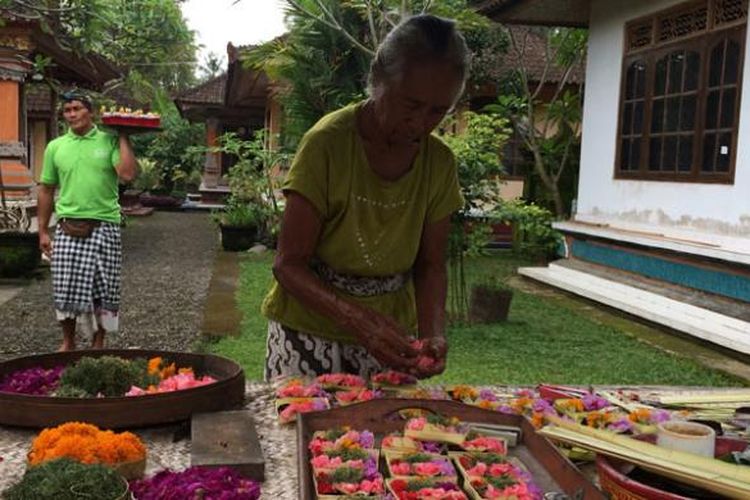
(707, 325)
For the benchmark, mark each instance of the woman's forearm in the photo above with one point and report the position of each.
(430, 285)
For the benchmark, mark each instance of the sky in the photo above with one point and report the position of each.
(217, 22)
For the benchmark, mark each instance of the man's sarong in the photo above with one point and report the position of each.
(86, 278)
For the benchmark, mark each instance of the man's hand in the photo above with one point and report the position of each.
(45, 243)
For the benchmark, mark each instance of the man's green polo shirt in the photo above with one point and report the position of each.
(84, 169)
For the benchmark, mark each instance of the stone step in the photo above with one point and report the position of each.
(707, 325)
(227, 439)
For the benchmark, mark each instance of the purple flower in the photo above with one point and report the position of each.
(487, 395)
(446, 469)
(367, 439)
(447, 486)
(220, 483)
(36, 381)
(622, 425)
(592, 402)
(431, 447)
(542, 406)
(506, 409)
(319, 404)
(658, 416)
(370, 470)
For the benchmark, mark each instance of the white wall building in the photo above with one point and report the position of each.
(662, 221)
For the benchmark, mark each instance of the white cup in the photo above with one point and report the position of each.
(690, 437)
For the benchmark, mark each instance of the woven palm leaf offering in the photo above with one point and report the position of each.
(417, 488)
(130, 120)
(66, 479)
(433, 427)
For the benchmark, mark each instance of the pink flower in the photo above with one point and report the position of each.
(400, 468)
(135, 391)
(485, 444)
(372, 487)
(347, 488)
(416, 424)
(501, 469)
(519, 491)
(427, 469)
(480, 469)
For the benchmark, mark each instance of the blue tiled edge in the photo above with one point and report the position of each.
(678, 273)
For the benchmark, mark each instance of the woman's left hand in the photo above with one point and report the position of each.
(432, 357)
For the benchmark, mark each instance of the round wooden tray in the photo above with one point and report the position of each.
(616, 477)
(132, 129)
(124, 412)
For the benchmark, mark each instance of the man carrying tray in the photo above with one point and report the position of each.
(85, 165)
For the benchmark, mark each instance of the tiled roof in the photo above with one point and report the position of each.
(210, 92)
(38, 98)
(531, 43)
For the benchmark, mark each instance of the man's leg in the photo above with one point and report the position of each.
(69, 334)
(97, 341)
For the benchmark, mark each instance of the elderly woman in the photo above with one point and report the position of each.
(360, 268)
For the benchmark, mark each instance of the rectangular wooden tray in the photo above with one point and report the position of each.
(552, 471)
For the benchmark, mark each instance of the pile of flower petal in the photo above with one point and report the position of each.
(35, 381)
(196, 483)
(171, 379)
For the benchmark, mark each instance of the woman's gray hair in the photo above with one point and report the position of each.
(419, 38)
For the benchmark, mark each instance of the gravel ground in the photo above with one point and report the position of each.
(167, 263)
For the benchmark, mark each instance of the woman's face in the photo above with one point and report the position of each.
(410, 108)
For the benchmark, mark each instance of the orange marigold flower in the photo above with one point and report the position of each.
(87, 444)
(153, 365)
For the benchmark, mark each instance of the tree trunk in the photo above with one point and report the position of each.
(549, 182)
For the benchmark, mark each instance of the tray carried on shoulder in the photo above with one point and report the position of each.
(132, 129)
(552, 471)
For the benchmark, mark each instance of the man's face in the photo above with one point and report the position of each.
(77, 116)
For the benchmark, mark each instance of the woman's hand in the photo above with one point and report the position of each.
(432, 357)
(385, 339)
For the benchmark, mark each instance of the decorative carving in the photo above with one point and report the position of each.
(640, 35)
(729, 11)
(693, 19)
(12, 150)
(12, 75)
(16, 41)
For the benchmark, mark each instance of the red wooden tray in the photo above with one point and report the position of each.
(552, 471)
(136, 411)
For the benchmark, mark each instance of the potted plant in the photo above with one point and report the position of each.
(490, 302)
(19, 248)
(238, 222)
(476, 151)
(255, 178)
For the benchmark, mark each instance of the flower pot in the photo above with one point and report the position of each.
(489, 305)
(238, 239)
(19, 253)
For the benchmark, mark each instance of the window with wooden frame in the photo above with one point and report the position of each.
(680, 93)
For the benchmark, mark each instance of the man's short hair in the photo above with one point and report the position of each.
(77, 95)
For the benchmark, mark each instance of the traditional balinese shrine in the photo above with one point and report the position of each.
(241, 100)
(23, 135)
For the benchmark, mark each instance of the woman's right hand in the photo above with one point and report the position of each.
(385, 339)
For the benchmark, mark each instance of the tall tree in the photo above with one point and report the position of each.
(326, 53)
(212, 66)
(549, 127)
(148, 39)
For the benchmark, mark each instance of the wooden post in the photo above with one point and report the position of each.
(212, 166)
(15, 45)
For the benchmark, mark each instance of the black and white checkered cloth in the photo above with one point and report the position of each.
(86, 271)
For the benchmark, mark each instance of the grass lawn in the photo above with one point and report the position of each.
(543, 341)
